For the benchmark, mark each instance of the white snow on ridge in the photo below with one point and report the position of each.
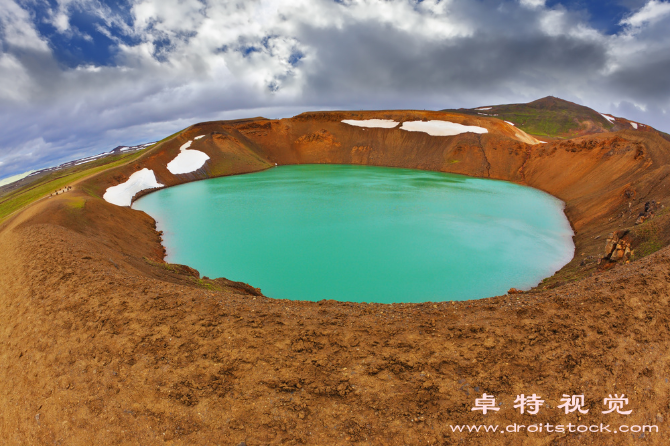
(634, 124)
(90, 158)
(372, 123)
(198, 137)
(122, 194)
(609, 118)
(187, 161)
(484, 108)
(440, 128)
(141, 146)
(510, 123)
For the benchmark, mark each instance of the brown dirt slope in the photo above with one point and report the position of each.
(103, 343)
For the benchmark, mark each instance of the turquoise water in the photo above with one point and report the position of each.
(364, 234)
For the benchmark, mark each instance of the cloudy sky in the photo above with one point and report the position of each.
(78, 77)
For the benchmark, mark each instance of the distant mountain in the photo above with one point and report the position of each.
(10, 184)
(552, 117)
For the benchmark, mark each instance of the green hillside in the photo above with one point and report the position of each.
(550, 117)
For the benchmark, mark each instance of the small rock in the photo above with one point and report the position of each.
(650, 208)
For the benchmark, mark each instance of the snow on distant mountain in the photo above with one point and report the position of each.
(88, 159)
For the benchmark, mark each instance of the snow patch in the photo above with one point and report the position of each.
(122, 194)
(441, 128)
(372, 123)
(510, 123)
(198, 137)
(484, 108)
(187, 161)
(634, 124)
(609, 118)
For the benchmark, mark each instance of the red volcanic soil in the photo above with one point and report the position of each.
(104, 343)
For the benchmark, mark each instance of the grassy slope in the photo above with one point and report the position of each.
(550, 117)
(47, 184)
(56, 180)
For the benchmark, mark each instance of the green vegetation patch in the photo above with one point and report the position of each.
(550, 117)
(76, 203)
(652, 235)
(543, 123)
(648, 247)
(202, 283)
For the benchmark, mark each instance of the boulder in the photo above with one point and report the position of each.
(617, 248)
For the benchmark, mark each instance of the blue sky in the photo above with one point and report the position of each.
(78, 77)
(88, 39)
(605, 16)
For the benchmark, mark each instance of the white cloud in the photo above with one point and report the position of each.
(650, 13)
(61, 22)
(17, 29)
(14, 79)
(533, 4)
(31, 152)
